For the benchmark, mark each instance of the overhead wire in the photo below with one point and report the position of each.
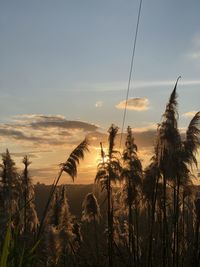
(131, 71)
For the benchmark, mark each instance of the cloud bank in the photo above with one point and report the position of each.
(49, 139)
(46, 130)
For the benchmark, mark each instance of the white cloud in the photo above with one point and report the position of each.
(98, 104)
(194, 55)
(189, 114)
(38, 117)
(137, 104)
(122, 85)
(196, 40)
(195, 50)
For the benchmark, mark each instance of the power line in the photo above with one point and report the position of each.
(131, 69)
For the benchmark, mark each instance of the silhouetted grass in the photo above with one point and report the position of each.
(151, 219)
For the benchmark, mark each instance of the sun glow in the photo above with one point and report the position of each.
(99, 160)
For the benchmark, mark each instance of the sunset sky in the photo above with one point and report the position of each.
(64, 69)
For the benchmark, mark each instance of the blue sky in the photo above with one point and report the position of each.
(72, 58)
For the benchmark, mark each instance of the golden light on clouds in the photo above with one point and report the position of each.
(189, 114)
(137, 104)
(49, 139)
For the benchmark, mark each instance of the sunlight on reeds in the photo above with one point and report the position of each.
(130, 217)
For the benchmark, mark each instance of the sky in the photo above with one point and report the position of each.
(64, 68)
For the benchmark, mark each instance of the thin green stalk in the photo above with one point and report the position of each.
(6, 247)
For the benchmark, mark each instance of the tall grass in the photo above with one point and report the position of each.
(151, 219)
